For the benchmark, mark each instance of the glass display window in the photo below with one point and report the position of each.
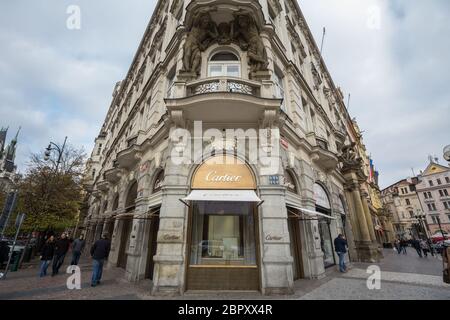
(223, 233)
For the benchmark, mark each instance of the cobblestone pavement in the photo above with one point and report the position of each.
(403, 277)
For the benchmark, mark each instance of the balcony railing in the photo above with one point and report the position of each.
(233, 85)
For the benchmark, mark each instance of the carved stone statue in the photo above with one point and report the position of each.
(203, 32)
(349, 158)
(246, 33)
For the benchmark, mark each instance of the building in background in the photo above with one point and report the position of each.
(216, 219)
(433, 189)
(402, 202)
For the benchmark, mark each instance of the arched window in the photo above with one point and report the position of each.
(224, 64)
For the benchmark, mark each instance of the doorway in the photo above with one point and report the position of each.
(124, 242)
(152, 245)
(296, 244)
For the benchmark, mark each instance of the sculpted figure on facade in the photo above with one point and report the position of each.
(349, 157)
(203, 32)
(246, 33)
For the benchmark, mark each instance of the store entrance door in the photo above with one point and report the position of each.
(152, 245)
(326, 242)
(296, 244)
(124, 242)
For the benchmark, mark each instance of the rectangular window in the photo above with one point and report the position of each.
(439, 181)
(448, 217)
(441, 193)
(411, 214)
(434, 219)
(408, 203)
(429, 207)
(446, 192)
(215, 71)
(430, 195)
(445, 205)
(433, 206)
(233, 71)
(447, 179)
(223, 233)
(425, 195)
(431, 183)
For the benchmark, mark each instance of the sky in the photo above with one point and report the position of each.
(392, 56)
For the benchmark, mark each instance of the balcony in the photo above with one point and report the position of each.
(222, 84)
(129, 157)
(323, 156)
(221, 100)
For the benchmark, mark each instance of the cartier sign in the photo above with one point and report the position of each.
(223, 172)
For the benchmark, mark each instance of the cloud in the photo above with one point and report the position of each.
(55, 81)
(396, 75)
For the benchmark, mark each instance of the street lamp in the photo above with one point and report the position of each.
(54, 147)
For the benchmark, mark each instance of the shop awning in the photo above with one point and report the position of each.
(223, 195)
(312, 212)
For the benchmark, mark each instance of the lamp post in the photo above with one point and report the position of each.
(54, 147)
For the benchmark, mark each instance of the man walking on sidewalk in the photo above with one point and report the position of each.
(340, 246)
(77, 250)
(61, 248)
(99, 252)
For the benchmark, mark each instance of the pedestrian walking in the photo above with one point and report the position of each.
(99, 252)
(340, 246)
(425, 248)
(77, 249)
(61, 247)
(416, 245)
(47, 253)
(397, 246)
(403, 245)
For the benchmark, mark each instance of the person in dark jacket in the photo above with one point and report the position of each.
(4, 253)
(99, 252)
(416, 245)
(61, 248)
(340, 246)
(77, 249)
(47, 253)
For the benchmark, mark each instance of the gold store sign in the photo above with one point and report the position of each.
(223, 172)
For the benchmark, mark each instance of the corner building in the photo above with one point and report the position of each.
(202, 224)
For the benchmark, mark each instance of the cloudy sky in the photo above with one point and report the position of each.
(391, 55)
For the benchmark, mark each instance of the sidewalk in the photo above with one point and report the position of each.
(403, 277)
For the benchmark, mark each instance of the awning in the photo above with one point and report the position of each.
(312, 212)
(223, 195)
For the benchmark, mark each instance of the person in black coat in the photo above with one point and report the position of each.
(99, 252)
(61, 248)
(4, 253)
(47, 253)
(416, 245)
(340, 246)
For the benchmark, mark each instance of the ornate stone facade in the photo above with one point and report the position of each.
(233, 67)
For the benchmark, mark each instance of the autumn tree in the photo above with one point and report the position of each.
(51, 198)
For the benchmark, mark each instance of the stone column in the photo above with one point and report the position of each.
(368, 219)
(276, 258)
(169, 272)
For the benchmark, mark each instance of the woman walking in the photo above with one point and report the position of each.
(47, 253)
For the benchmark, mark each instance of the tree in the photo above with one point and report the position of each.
(51, 198)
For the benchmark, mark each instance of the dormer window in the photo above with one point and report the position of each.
(224, 64)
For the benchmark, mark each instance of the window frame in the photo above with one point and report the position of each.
(224, 64)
